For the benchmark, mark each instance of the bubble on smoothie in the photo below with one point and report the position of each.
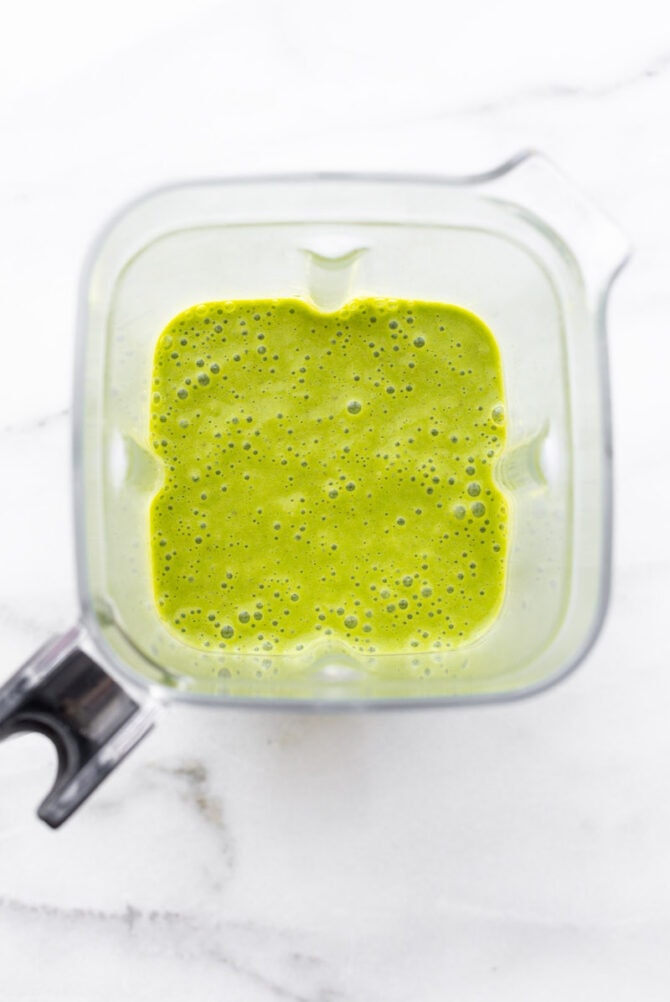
(474, 489)
(354, 407)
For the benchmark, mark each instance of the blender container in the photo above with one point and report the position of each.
(522, 249)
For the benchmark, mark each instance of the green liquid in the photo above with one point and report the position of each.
(328, 477)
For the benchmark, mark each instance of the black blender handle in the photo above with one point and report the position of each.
(92, 721)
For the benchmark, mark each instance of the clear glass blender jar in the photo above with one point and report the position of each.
(521, 248)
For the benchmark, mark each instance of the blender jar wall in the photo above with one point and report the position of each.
(332, 240)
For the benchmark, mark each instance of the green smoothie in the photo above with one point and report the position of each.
(328, 477)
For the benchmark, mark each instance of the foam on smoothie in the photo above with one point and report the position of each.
(328, 476)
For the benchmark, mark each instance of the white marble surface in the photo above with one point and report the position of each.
(515, 852)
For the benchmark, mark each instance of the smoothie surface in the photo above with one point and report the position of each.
(328, 477)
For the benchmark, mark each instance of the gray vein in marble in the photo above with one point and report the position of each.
(34, 628)
(185, 936)
(193, 777)
(133, 918)
(35, 424)
(536, 95)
